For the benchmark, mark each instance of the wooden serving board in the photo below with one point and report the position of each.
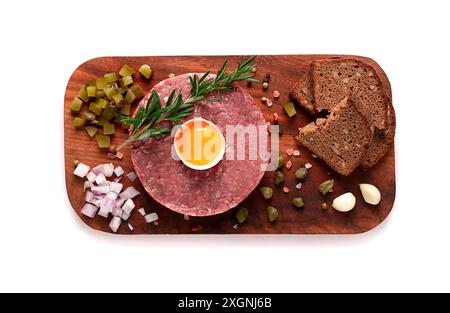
(284, 71)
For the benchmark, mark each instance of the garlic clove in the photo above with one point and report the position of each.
(345, 202)
(370, 193)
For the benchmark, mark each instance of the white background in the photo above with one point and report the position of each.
(45, 247)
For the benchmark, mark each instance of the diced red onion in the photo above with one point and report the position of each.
(117, 179)
(91, 177)
(129, 193)
(130, 227)
(115, 223)
(87, 184)
(117, 212)
(119, 171)
(142, 211)
(106, 207)
(151, 218)
(96, 202)
(120, 202)
(82, 170)
(112, 195)
(99, 190)
(115, 187)
(108, 170)
(98, 169)
(100, 179)
(128, 206)
(132, 176)
(89, 210)
(125, 216)
(89, 196)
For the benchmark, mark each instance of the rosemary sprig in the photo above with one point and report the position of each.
(147, 122)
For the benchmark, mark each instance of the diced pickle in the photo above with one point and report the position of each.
(108, 129)
(137, 90)
(78, 122)
(126, 70)
(118, 99)
(110, 92)
(102, 141)
(100, 94)
(102, 103)
(146, 71)
(89, 116)
(109, 112)
(126, 81)
(76, 105)
(130, 97)
(122, 90)
(92, 91)
(83, 94)
(290, 109)
(111, 77)
(91, 130)
(126, 109)
(95, 107)
(101, 82)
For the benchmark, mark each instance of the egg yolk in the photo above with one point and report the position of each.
(198, 142)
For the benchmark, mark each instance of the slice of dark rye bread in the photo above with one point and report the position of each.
(341, 140)
(381, 141)
(302, 93)
(334, 79)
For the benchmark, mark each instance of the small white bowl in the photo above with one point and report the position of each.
(213, 162)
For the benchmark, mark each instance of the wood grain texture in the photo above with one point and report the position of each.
(284, 71)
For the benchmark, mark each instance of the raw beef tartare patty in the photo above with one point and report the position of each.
(200, 192)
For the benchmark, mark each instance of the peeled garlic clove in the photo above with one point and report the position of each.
(370, 193)
(345, 202)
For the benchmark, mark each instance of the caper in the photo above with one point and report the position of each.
(272, 214)
(241, 215)
(280, 161)
(265, 85)
(279, 178)
(326, 186)
(266, 78)
(301, 173)
(298, 202)
(267, 192)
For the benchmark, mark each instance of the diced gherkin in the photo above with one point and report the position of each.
(76, 105)
(290, 109)
(83, 94)
(96, 108)
(101, 82)
(100, 94)
(126, 81)
(103, 141)
(78, 122)
(118, 99)
(111, 77)
(130, 97)
(137, 90)
(92, 91)
(109, 92)
(146, 71)
(126, 109)
(126, 70)
(91, 130)
(108, 129)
